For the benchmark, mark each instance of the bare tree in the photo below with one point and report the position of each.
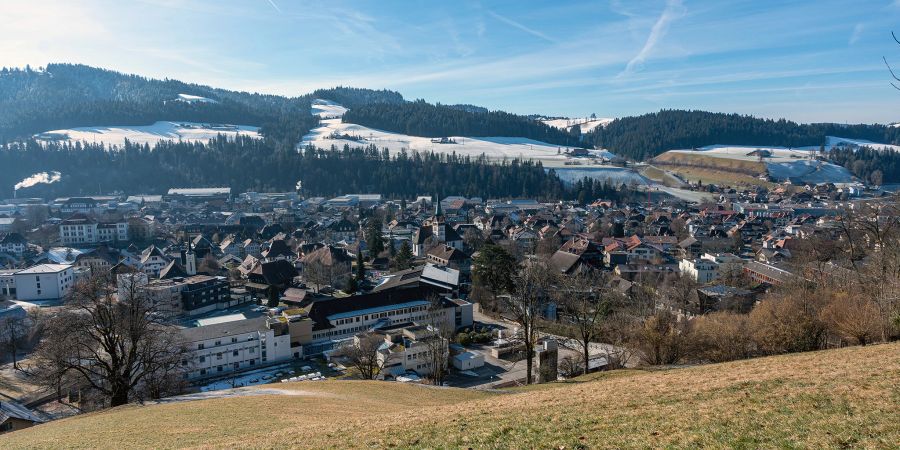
(14, 332)
(319, 274)
(111, 344)
(662, 339)
(853, 318)
(680, 292)
(526, 305)
(362, 354)
(721, 336)
(441, 324)
(584, 301)
(789, 320)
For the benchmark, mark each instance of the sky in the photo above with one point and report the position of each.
(809, 61)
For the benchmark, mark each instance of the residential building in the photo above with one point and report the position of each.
(44, 282)
(13, 243)
(223, 348)
(700, 270)
(79, 229)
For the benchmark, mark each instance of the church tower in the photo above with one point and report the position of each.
(438, 225)
(190, 260)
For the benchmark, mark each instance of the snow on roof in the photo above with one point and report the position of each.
(44, 268)
(443, 275)
(144, 198)
(200, 191)
(64, 255)
(220, 319)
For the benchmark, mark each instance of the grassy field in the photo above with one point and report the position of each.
(847, 398)
(713, 170)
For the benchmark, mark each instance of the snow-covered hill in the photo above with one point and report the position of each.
(149, 134)
(587, 124)
(327, 109)
(332, 131)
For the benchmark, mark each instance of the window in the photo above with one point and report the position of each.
(252, 349)
(200, 346)
(202, 371)
(219, 369)
(234, 353)
(237, 366)
(218, 356)
(218, 342)
(202, 359)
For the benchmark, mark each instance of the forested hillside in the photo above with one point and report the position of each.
(424, 119)
(356, 97)
(645, 136)
(246, 164)
(876, 166)
(68, 95)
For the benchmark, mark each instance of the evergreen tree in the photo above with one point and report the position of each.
(404, 257)
(352, 286)
(360, 267)
(374, 240)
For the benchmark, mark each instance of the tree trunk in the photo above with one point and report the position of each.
(119, 396)
(587, 356)
(529, 362)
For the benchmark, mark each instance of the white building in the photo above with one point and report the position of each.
(223, 348)
(13, 243)
(81, 229)
(700, 270)
(44, 282)
(411, 348)
(468, 360)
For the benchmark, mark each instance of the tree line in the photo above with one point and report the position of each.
(419, 118)
(645, 136)
(247, 164)
(876, 166)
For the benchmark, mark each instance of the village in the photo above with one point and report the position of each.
(269, 287)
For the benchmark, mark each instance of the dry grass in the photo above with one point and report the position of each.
(713, 170)
(848, 398)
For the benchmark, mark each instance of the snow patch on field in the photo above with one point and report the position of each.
(809, 171)
(187, 98)
(334, 132)
(833, 141)
(326, 109)
(587, 124)
(115, 136)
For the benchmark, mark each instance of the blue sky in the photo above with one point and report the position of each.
(802, 60)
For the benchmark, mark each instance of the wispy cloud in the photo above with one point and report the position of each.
(674, 9)
(521, 27)
(272, 2)
(856, 34)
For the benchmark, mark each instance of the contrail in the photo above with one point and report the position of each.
(272, 2)
(674, 9)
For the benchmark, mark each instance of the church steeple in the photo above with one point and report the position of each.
(437, 207)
